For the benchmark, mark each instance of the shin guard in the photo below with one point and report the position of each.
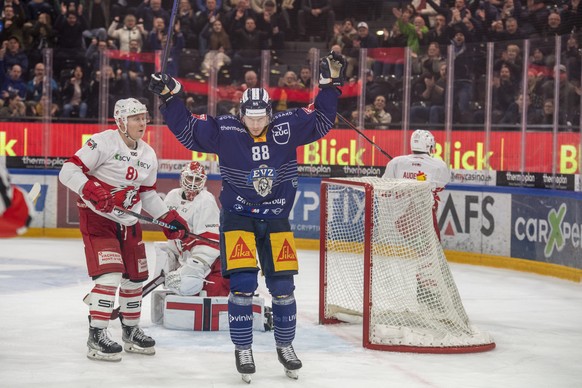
(284, 319)
(240, 318)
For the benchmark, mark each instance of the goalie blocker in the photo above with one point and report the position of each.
(202, 313)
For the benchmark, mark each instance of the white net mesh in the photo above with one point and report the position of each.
(414, 303)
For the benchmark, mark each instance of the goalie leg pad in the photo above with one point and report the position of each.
(102, 299)
(284, 319)
(240, 318)
(130, 296)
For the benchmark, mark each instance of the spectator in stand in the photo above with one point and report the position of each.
(147, 11)
(97, 16)
(71, 46)
(430, 90)
(285, 96)
(464, 73)
(185, 17)
(511, 57)
(344, 37)
(416, 32)
(13, 106)
(534, 17)
(281, 11)
(115, 86)
(251, 80)
(36, 7)
(504, 93)
(376, 116)
(176, 46)
(220, 49)
(439, 32)
(305, 77)
(204, 19)
(95, 50)
(248, 44)
(35, 87)
(202, 5)
(512, 116)
(369, 41)
(75, 94)
(426, 11)
(131, 30)
(37, 109)
(315, 18)
(155, 36)
(429, 62)
(236, 18)
(12, 23)
(11, 82)
(393, 64)
(456, 13)
(569, 95)
(40, 35)
(274, 26)
(572, 56)
(547, 116)
(132, 71)
(13, 54)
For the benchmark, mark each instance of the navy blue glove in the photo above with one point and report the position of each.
(332, 70)
(164, 86)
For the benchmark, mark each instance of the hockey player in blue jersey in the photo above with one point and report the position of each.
(258, 166)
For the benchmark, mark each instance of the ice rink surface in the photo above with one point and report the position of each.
(536, 322)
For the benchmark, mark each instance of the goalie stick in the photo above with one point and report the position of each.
(158, 280)
(34, 193)
(154, 221)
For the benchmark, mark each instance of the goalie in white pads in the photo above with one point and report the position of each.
(15, 207)
(191, 265)
(116, 168)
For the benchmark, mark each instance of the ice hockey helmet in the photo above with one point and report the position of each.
(192, 179)
(127, 107)
(255, 102)
(422, 141)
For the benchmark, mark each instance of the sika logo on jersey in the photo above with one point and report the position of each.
(241, 251)
(287, 253)
(262, 179)
(282, 133)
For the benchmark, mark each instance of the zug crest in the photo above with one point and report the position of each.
(281, 133)
(262, 179)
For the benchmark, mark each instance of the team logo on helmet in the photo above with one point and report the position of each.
(282, 133)
(262, 179)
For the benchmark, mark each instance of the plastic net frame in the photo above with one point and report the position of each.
(381, 264)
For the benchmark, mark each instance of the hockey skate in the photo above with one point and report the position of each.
(101, 347)
(136, 341)
(289, 359)
(245, 364)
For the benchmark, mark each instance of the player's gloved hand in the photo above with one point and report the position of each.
(181, 226)
(187, 244)
(98, 196)
(164, 86)
(332, 70)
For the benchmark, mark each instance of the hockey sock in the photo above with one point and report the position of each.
(102, 299)
(130, 295)
(240, 318)
(284, 319)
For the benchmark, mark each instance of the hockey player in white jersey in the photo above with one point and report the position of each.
(192, 265)
(420, 165)
(116, 168)
(16, 207)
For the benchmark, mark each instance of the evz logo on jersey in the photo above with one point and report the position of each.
(262, 179)
(282, 133)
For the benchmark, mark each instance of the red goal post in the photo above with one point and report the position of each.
(381, 264)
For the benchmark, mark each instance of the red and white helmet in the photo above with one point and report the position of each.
(422, 141)
(192, 179)
(125, 108)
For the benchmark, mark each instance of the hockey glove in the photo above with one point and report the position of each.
(173, 219)
(332, 69)
(98, 196)
(164, 86)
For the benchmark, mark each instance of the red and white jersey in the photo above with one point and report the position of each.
(15, 207)
(421, 167)
(202, 215)
(129, 174)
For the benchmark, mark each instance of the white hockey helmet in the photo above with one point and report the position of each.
(422, 141)
(192, 179)
(125, 108)
(255, 102)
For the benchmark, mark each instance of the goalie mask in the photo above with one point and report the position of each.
(192, 179)
(422, 141)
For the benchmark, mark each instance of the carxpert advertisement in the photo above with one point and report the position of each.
(547, 229)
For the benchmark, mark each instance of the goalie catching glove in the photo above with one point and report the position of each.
(180, 225)
(164, 86)
(332, 70)
(189, 279)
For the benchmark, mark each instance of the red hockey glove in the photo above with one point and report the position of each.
(181, 226)
(98, 196)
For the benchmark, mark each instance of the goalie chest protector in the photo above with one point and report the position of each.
(198, 313)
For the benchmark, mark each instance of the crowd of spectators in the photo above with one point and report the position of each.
(229, 35)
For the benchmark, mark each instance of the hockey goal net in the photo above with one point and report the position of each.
(383, 265)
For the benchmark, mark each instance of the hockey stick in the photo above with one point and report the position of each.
(154, 221)
(158, 280)
(364, 136)
(34, 193)
(168, 47)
